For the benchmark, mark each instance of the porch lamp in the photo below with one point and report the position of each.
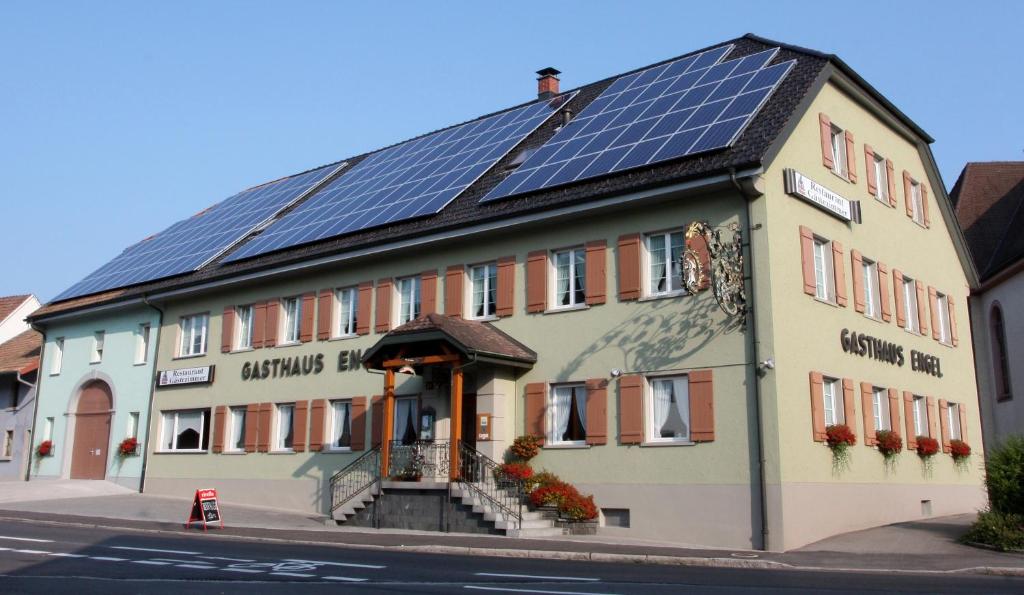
(407, 369)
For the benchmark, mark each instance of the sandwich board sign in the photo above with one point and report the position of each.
(205, 509)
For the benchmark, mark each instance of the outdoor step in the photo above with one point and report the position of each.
(537, 532)
(534, 524)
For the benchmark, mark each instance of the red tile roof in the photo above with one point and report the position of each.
(20, 352)
(10, 303)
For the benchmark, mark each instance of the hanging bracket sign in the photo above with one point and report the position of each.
(205, 509)
(832, 203)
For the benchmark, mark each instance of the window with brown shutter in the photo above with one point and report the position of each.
(932, 415)
(807, 260)
(384, 291)
(908, 193)
(597, 411)
(536, 281)
(596, 275)
(220, 413)
(453, 290)
(325, 314)
(869, 170)
(363, 316)
(273, 327)
(358, 423)
(857, 264)
(963, 421)
(867, 393)
(894, 410)
(702, 406)
(933, 303)
(428, 286)
(897, 286)
(883, 291)
(890, 178)
(953, 334)
(505, 300)
(851, 158)
(944, 424)
(817, 407)
(252, 424)
(849, 418)
(839, 273)
(308, 314)
(535, 410)
(259, 325)
(629, 267)
(376, 421)
(299, 427)
(227, 329)
(263, 435)
(908, 419)
(631, 409)
(316, 425)
(826, 141)
(922, 308)
(924, 206)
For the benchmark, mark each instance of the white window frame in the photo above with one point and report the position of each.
(917, 202)
(945, 332)
(280, 437)
(245, 317)
(132, 431)
(837, 139)
(824, 270)
(8, 445)
(489, 290)
(953, 420)
(910, 305)
(57, 361)
(291, 320)
(580, 391)
(332, 434)
(99, 338)
(919, 407)
(187, 332)
(881, 175)
(834, 404)
(652, 433)
(48, 428)
(346, 312)
(872, 301)
(673, 270)
(408, 306)
(235, 432)
(203, 430)
(880, 408)
(554, 297)
(142, 343)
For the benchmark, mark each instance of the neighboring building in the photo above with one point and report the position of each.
(540, 288)
(989, 199)
(19, 358)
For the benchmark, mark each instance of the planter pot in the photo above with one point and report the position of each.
(578, 527)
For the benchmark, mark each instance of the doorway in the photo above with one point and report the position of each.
(92, 432)
(469, 419)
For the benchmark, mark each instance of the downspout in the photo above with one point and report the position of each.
(152, 390)
(748, 194)
(35, 399)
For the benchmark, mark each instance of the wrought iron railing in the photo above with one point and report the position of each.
(354, 479)
(484, 477)
(422, 459)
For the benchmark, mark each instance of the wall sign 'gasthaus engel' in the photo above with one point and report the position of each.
(290, 367)
(198, 375)
(875, 348)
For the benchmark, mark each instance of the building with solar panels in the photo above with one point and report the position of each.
(692, 283)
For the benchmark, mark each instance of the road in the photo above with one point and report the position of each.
(49, 558)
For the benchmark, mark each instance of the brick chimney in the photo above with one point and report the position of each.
(547, 82)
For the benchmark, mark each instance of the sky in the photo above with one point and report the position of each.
(119, 118)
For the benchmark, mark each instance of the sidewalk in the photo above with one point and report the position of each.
(921, 546)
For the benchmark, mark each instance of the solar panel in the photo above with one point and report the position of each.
(191, 243)
(415, 178)
(688, 106)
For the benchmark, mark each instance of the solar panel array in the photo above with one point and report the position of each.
(415, 178)
(191, 243)
(688, 106)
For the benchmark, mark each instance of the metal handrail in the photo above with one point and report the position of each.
(422, 459)
(355, 478)
(484, 477)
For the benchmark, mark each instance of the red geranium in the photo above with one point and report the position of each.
(520, 471)
(926, 446)
(553, 494)
(128, 446)
(45, 448)
(959, 449)
(840, 434)
(889, 443)
(577, 507)
(525, 447)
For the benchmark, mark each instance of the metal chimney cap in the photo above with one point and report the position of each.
(549, 71)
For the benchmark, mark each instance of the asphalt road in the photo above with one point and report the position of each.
(51, 558)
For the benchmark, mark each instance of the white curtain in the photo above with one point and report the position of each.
(341, 433)
(662, 400)
(563, 279)
(657, 255)
(562, 400)
(191, 420)
(581, 405)
(284, 426)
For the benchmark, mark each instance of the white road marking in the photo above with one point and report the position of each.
(250, 570)
(507, 590)
(345, 578)
(292, 574)
(196, 566)
(348, 565)
(146, 549)
(555, 578)
(27, 539)
(63, 555)
(151, 562)
(30, 551)
(182, 561)
(107, 558)
(228, 559)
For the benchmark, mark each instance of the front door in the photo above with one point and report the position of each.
(92, 433)
(469, 419)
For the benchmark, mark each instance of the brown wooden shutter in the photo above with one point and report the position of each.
(358, 423)
(890, 178)
(597, 411)
(218, 428)
(869, 170)
(384, 313)
(933, 304)
(908, 418)
(848, 410)
(868, 413)
(308, 314)
(826, 141)
(963, 421)
(596, 277)
(629, 267)
(858, 280)
(631, 409)
(908, 193)
(325, 315)
(376, 421)
(839, 273)
(807, 260)
(894, 410)
(259, 324)
(252, 425)
(428, 291)
(897, 291)
(700, 246)
(263, 435)
(365, 300)
(227, 329)
(932, 414)
(273, 328)
(300, 426)
(505, 301)
(851, 158)
(536, 397)
(924, 206)
(702, 406)
(922, 308)
(817, 407)
(944, 424)
(536, 281)
(316, 425)
(953, 335)
(883, 291)
(453, 290)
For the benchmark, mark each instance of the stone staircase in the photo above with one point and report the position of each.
(355, 504)
(534, 524)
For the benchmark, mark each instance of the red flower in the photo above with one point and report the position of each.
(959, 449)
(525, 447)
(128, 446)
(518, 471)
(577, 507)
(927, 446)
(840, 434)
(553, 494)
(889, 443)
(45, 448)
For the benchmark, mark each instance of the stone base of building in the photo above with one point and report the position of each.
(421, 509)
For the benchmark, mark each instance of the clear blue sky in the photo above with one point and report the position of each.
(119, 118)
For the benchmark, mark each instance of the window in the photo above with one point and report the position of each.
(406, 428)
(835, 413)
(236, 435)
(872, 305)
(669, 410)
(838, 151)
(348, 311)
(664, 251)
(483, 280)
(570, 278)
(567, 414)
(142, 344)
(341, 425)
(953, 416)
(186, 430)
(881, 178)
(917, 202)
(48, 429)
(193, 335)
(292, 318)
(285, 426)
(244, 314)
(58, 356)
(8, 447)
(910, 305)
(133, 425)
(880, 408)
(1000, 360)
(98, 338)
(824, 277)
(408, 299)
(920, 416)
(942, 303)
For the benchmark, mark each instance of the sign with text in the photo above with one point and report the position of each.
(803, 187)
(200, 375)
(885, 351)
(205, 509)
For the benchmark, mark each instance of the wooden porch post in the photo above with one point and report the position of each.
(389, 415)
(456, 421)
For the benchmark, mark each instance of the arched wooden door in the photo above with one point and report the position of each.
(92, 432)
